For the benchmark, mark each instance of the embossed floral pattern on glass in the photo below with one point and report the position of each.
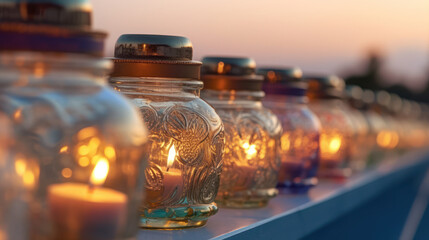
(299, 148)
(187, 144)
(251, 162)
(335, 138)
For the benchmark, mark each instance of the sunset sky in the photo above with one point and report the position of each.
(329, 36)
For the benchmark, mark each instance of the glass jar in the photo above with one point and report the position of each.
(360, 148)
(379, 136)
(16, 187)
(87, 140)
(186, 134)
(252, 132)
(337, 129)
(299, 147)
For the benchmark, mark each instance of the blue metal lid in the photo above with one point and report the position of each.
(49, 25)
(283, 81)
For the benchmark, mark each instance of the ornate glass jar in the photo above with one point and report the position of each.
(360, 148)
(337, 129)
(252, 132)
(187, 136)
(379, 135)
(286, 97)
(77, 142)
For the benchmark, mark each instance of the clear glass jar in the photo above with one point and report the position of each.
(186, 134)
(252, 132)
(87, 140)
(16, 187)
(337, 129)
(76, 143)
(299, 148)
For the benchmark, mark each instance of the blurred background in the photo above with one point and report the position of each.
(377, 44)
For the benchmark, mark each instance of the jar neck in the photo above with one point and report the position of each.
(35, 68)
(144, 87)
(234, 98)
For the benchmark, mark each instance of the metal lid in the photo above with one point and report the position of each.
(325, 87)
(71, 13)
(395, 103)
(355, 95)
(368, 96)
(140, 55)
(230, 73)
(283, 81)
(49, 26)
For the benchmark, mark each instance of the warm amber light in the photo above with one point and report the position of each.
(83, 161)
(99, 174)
(29, 179)
(285, 142)
(39, 70)
(86, 133)
(66, 172)
(110, 153)
(64, 149)
(220, 67)
(171, 156)
(17, 114)
(20, 166)
(387, 139)
(334, 145)
(250, 150)
(330, 144)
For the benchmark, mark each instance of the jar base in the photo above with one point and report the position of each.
(169, 224)
(177, 217)
(247, 199)
(288, 187)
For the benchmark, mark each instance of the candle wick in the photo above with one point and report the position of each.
(168, 168)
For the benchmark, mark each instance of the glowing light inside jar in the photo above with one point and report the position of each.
(220, 67)
(387, 139)
(334, 145)
(250, 150)
(171, 157)
(330, 143)
(99, 174)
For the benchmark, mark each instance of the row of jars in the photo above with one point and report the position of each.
(82, 160)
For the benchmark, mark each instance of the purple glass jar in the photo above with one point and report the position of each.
(286, 97)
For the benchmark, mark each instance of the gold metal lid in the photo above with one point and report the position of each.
(140, 55)
(230, 73)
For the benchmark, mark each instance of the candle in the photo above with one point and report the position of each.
(172, 176)
(87, 211)
(172, 182)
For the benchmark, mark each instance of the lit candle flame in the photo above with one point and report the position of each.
(99, 174)
(171, 157)
(334, 145)
(250, 150)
